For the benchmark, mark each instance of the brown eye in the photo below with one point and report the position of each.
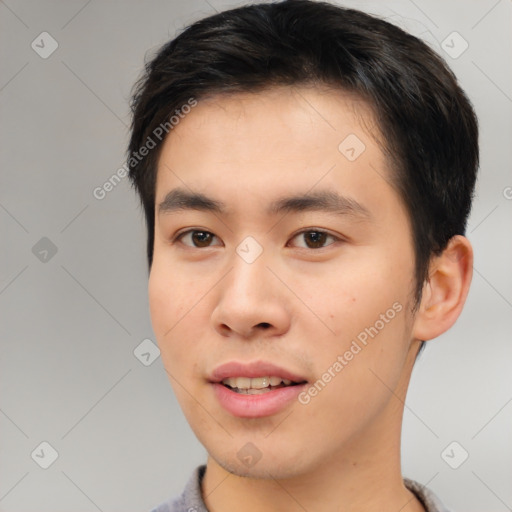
(314, 239)
(201, 238)
(196, 238)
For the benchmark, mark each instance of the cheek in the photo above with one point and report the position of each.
(171, 304)
(372, 325)
(351, 294)
(363, 366)
(366, 305)
(173, 295)
(163, 302)
(174, 305)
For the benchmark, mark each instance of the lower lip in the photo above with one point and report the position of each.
(255, 406)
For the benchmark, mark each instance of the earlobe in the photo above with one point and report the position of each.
(445, 291)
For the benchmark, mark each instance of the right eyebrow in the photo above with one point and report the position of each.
(180, 199)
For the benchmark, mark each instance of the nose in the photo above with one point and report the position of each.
(252, 302)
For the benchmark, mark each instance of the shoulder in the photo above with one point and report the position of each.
(427, 497)
(190, 500)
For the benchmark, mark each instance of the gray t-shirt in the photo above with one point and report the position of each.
(191, 500)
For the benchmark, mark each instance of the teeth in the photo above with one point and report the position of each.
(257, 383)
(275, 381)
(253, 391)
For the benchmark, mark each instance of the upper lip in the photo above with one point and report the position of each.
(252, 370)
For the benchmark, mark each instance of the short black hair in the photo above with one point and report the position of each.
(428, 123)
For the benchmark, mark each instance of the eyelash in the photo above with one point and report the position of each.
(179, 237)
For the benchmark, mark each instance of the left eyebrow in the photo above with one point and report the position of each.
(322, 200)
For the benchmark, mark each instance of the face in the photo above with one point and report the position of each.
(297, 254)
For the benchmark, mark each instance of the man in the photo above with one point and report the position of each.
(306, 173)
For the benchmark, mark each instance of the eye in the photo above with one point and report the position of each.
(196, 238)
(315, 239)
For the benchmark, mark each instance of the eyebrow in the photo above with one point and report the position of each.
(180, 199)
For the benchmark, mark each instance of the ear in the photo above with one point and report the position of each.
(445, 291)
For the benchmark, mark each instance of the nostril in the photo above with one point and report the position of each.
(265, 325)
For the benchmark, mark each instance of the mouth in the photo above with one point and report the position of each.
(255, 389)
(257, 385)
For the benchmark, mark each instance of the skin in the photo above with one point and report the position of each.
(340, 451)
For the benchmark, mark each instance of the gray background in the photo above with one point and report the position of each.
(71, 320)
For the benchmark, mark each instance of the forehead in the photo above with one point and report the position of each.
(310, 112)
(275, 140)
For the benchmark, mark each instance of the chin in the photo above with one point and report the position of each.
(260, 471)
(277, 464)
